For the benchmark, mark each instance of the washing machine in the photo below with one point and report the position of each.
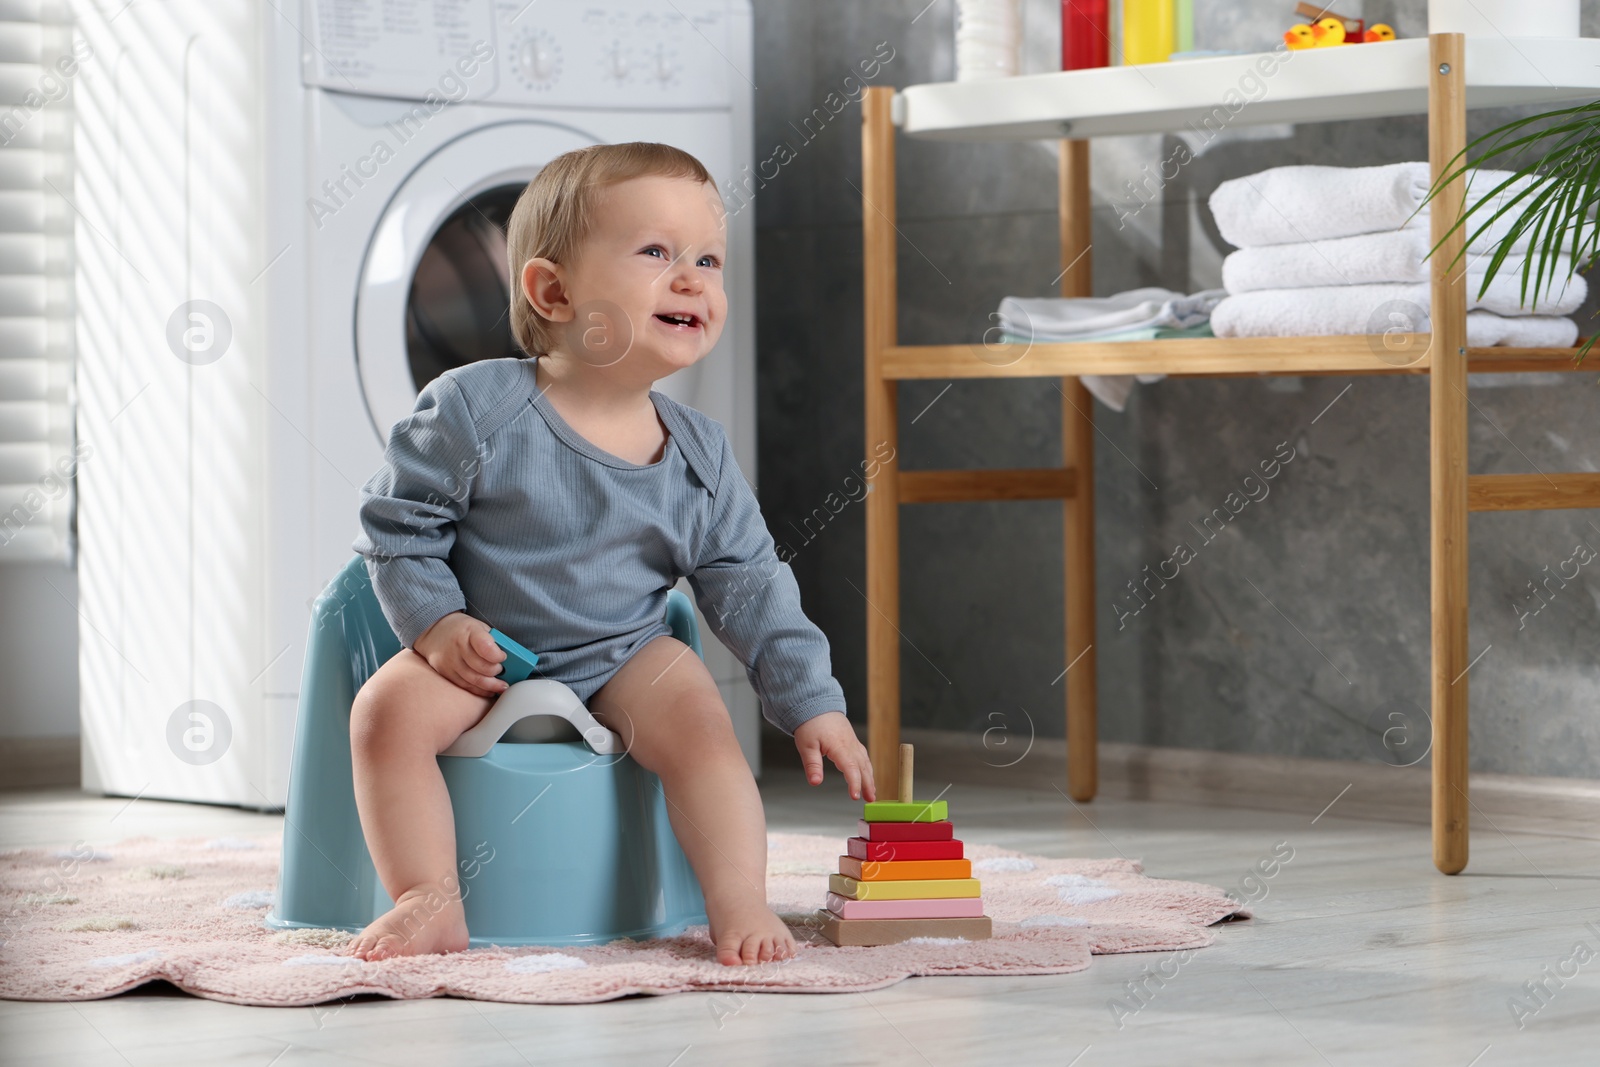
(289, 223)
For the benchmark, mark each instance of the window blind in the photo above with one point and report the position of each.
(38, 451)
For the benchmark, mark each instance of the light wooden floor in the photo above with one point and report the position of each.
(1361, 954)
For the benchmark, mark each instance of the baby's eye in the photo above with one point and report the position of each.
(709, 261)
(654, 250)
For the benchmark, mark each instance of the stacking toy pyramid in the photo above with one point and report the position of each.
(903, 877)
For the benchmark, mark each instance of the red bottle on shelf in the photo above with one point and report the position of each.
(1085, 34)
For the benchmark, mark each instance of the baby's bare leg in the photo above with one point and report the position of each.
(666, 706)
(404, 716)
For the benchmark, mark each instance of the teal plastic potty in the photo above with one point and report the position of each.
(561, 838)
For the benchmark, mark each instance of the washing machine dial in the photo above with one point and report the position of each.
(665, 66)
(536, 60)
(616, 63)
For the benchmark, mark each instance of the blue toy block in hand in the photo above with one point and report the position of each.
(519, 662)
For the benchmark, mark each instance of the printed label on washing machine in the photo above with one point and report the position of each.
(411, 49)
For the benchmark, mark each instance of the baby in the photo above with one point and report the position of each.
(559, 498)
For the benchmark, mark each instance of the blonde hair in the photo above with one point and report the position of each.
(555, 212)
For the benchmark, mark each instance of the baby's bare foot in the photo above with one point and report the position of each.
(746, 931)
(425, 919)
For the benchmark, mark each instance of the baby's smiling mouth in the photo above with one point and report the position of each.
(681, 319)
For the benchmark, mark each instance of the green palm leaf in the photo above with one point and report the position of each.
(1549, 201)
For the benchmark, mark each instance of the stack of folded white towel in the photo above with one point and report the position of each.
(1136, 315)
(1341, 250)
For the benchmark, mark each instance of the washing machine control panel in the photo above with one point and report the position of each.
(637, 54)
(642, 53)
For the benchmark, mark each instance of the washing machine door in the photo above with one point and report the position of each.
(435, 283)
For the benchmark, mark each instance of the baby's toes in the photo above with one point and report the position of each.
(388, 945)
(752, 950)
(373, 947)
(728, 951)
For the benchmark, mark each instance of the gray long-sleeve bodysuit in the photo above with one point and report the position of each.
(488, 502)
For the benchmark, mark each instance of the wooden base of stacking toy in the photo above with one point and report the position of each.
(863, 932)
(906, 876)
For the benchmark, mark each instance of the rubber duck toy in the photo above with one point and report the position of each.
(1299, 36)
(1380, 31)
(1327, 33)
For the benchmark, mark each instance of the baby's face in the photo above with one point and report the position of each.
(655, 253)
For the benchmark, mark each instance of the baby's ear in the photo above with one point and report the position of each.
(544, 284)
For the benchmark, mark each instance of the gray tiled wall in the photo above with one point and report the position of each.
(1300, 628)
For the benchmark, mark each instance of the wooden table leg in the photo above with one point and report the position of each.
(1447, 135)
(1077, 452)
(882, 440)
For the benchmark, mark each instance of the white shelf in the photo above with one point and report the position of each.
(1314, 85)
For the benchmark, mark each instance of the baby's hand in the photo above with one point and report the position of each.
(459, 648)
(830, 735)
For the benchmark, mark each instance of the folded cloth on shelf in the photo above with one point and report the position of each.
(1291, 273)
(1077, 318)
(1393, 256)
(1139, 333)
(1151, 313)
(1314, 203)
(1353, 309)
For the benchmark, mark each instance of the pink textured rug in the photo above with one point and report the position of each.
(78, 926)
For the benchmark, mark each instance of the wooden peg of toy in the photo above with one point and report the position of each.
(905, 774)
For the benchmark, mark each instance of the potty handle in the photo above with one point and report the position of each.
(535, 696)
